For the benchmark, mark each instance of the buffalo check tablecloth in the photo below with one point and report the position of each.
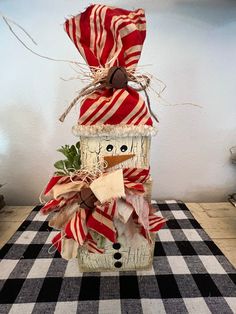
(189, 274)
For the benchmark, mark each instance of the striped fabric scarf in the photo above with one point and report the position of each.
(101, 219)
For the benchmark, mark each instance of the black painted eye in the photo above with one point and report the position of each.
(123, 148)
(109, 148)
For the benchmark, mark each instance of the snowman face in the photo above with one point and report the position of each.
(94, 149)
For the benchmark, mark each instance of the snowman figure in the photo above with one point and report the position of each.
(116, 230)
(131, 250)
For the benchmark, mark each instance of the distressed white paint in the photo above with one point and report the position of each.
(136, 252)
(93, 149)
(190, 45)
(133, 257)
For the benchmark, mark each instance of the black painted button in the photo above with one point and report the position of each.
(116, 246)
(118, 264)
(117, 256)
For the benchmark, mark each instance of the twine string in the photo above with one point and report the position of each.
(83, 174)
(55, 245)
(99, 82)
(97, 74)
(9, 22)
(89, 175)
(86, 91)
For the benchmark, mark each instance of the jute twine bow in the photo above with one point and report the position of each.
(100, 81)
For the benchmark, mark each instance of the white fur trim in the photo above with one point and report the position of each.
(113, 130)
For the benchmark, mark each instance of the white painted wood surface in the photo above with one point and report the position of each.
(132, 257)
(93, 149)
(136, 253)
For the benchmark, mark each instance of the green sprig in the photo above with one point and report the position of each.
(72, 161)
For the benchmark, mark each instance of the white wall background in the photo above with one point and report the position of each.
(192, 48)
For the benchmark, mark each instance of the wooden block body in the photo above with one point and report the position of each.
(137, 257)
(135, 254)
(93, 149)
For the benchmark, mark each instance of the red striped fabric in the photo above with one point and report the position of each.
(77, 228)
(135, 177)
(58, 180)
(54, 180)
(93, 248)
(56, 241)
(101, 220)
(156, 223)
(140, 175)
(58, 204)
(50, 206)
(106, 37)
(92, 245)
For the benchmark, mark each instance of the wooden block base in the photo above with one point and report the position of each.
(118, 257)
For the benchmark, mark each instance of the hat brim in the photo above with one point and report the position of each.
(99, 130)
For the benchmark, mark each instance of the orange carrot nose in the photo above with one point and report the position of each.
(117, 159)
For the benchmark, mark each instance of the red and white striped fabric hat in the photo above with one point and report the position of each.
(106, 37)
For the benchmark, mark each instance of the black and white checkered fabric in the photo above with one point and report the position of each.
(189, 275)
